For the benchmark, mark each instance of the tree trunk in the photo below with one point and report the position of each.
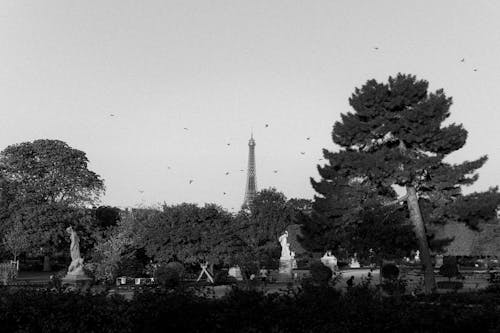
(418, 224)
(46, 264)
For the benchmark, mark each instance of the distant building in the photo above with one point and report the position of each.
(251, 186)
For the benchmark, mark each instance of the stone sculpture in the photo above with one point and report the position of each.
(75, 274)
(76, 266)
(329, 260)
(285, 247)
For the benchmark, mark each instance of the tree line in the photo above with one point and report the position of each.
(381, 194)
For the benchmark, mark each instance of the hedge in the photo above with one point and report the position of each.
(312, 309)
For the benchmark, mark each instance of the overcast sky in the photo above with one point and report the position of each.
(220, 68)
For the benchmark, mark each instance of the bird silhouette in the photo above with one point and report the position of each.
(267, 125)
(185, 128)
(169, 168)
(308, 138)
(303, 152)
(190, 181)
(111, 115)
(275, 171)
(141, 191)
(228, 144)
(227, 173)
(242, 170)
(475, 69)
(224, 193)
(375, 47)
(462, 60)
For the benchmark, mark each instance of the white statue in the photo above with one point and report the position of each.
(292, 258)
(417, 256)
(354, 262)
(285, 247)
(235, 272)
(329, 260)
(76, 266)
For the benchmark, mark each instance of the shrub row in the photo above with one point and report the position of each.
(313, 309)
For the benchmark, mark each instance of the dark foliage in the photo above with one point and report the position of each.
(167, 277)
(390, 271)
(313, 309)
(449, 270)
(107, 216)
(178, 267)
(130, 266)
(320, 273)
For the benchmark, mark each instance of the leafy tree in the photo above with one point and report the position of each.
(396, 136)
(299, 208)
(187, 233)
(107, 216)
(45, 229)
(16, 240)
(255, 233)
(115, 246)
(50, 171)
(43, 183)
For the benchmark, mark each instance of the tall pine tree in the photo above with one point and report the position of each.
(396, 136)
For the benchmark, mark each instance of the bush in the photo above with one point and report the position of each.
(221, 277)
(130, 267)
(394, 286)
(455, 285)
(449, 270)
(167, 277)
(390, 271)
(320, 273)
(320, 309)
(56, 279)
(178, 267)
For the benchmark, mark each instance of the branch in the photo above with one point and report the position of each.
(398, 200)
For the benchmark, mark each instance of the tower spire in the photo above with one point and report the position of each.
(251, 186)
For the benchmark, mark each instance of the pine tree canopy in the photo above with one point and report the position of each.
(395, 135)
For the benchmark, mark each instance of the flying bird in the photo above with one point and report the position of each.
(375, 47)
(141, 191)
(224, 193)
(185, 128)
(275, 171)
(308, 138)
(462, 60)
(242, 170)
(190, 181)
(267, 125)
(228, 144)
(111, 115)
(227, 173)
(475, 69)
(303, 152)
(169, 167)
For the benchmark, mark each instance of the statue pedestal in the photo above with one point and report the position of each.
(286, 266)
(76, 280)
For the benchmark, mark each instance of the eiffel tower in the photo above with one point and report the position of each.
(251, 188)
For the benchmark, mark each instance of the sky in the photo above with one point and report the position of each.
(121, 80)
